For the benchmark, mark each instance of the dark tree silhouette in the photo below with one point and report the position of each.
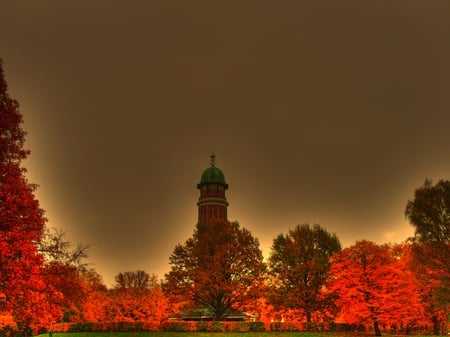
(429, 213)
(299, 264)
(55, 248)
(138, 279)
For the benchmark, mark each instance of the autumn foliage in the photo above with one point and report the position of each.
(299, 265)
(309, 283)
(23, 292)
(374, 286)
(220, 268)
(136, 305)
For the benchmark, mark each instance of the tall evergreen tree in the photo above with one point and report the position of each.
(21, 224)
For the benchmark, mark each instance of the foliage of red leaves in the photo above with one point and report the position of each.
(22, 287)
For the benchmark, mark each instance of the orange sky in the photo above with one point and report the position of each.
(328, 112)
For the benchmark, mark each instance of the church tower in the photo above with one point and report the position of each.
(212, 203)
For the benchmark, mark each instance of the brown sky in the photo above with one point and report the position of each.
(328, 112)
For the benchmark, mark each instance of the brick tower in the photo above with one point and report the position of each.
(212, 203)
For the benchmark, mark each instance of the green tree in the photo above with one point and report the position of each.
(219, 268)
(429, 213)
(299, 263)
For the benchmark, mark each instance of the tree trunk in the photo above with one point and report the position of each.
(436, 330)
(376, 327)
(308, 316)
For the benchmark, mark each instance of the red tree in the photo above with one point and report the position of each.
(219, 268)
(21, 225)
(374, 287)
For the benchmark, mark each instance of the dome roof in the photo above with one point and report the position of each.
(212, 175)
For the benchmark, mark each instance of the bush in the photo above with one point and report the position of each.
(81, 327)
(106, 327)
(212, 326)
(256, 326)
(346, 327)
(7, 331)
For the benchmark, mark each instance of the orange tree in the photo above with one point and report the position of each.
(220, 268)
(299, 264)
(374, 287)
(134, 301)
(22, 288)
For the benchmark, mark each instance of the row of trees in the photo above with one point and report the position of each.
(308, 276)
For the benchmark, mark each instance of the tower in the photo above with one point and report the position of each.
(212, 203)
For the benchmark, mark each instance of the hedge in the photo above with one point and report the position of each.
(212, 326)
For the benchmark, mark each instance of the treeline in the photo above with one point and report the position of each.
(308, 280)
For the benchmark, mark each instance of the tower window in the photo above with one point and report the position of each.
(212, 212)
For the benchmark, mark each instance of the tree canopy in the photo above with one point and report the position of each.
(299, 263)
(219, 268)
(21, 224)
(374, 286)
(138, 279)
(429, 213)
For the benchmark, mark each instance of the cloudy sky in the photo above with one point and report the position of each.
(329, 112)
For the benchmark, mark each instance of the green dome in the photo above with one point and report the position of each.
(212, 175)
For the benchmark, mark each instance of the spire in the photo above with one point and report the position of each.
(213, 160)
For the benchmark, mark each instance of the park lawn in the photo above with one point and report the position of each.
(210, 334)
(202, 334)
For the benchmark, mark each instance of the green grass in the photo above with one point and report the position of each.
(210, 334)
(200, 334)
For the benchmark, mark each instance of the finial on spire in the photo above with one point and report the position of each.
(213, 159)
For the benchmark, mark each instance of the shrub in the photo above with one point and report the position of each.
(284, 326)
(212, 326)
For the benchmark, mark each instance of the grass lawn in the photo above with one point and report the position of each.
(198, 334)
(211, 334)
